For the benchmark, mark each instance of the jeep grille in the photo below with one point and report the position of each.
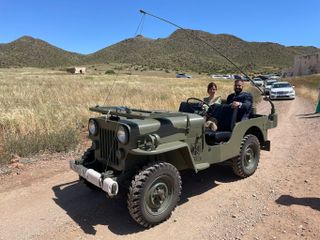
(108, 146)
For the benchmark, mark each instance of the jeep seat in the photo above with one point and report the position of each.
(226, 118)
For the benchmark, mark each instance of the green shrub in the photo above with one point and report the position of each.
(110, 72)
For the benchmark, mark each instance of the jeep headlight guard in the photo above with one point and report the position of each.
(149, 142)
(92, 127)
(122, 134)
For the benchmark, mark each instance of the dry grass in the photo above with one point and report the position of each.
(307, 86)
(45, 110)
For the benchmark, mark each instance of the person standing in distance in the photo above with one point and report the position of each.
(241, 100)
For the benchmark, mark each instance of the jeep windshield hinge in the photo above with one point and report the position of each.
(188, 124)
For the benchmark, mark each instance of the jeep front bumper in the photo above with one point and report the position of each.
(106, 184)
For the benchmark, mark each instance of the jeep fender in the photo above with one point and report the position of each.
(177, 153)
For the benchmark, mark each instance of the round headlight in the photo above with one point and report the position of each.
(122, 134)
(93, 127)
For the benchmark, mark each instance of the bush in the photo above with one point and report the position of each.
(110, 72)
(60, 141)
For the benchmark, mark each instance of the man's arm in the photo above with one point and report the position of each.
(247, 101)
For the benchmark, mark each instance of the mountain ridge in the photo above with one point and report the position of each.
(181, 50)
(27, 51)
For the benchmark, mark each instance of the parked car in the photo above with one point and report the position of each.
(263, 77)
(236, 77)
(218, 76)
(183, 75)
(244, 78)
(257, 81)
(282, 90)
(277, 78)
(268, 84)
(221, 76)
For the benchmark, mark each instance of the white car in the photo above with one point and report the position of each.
(268, 84)
(257, 81)
(277, 78)
(217, 76)
(282, 90)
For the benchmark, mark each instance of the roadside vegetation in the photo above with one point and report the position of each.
(306, 86)
(46, 110)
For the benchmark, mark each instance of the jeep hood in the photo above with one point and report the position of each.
(141, 122)
(164, 126)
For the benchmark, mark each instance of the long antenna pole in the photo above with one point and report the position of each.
(214, 48)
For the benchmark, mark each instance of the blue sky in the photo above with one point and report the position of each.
(87, 26)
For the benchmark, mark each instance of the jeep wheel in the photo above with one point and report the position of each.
(247, 162)
(154, 194)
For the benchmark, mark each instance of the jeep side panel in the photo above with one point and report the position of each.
(224, 151)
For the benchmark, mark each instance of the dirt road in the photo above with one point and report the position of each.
(44, 200)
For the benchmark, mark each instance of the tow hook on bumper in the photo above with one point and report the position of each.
(108, 185)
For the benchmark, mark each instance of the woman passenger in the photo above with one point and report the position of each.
(211, 90)
(211, 123)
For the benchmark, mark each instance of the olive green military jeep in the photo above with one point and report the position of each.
(144, 152)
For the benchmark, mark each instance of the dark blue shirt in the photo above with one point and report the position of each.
(246, 108)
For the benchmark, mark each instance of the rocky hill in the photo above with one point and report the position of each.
(30, 52)
(182, 50)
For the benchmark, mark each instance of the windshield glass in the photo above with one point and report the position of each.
(281, 85)
(269, 83)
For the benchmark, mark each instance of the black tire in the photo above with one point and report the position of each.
(154, 193)
(88, 158)
(247, 162)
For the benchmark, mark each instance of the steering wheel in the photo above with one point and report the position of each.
(201, 106)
